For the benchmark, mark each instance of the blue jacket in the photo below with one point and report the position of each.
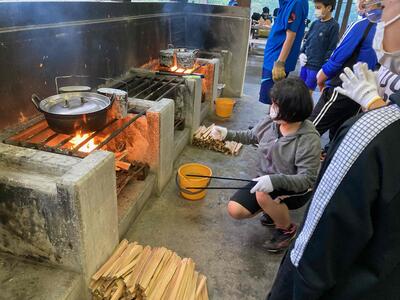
(348, 44)
(291, 16)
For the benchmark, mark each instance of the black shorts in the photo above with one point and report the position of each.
(249, 201)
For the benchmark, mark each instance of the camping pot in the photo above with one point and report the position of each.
(167, 57)
(119, 108)
(74, 88)
(69, 113)
(186, 58)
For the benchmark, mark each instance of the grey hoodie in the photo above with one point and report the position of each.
(292, 161)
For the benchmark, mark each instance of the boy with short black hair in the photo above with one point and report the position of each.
(319, 42)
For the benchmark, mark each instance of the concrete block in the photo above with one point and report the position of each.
(90, 188)
(165, 111)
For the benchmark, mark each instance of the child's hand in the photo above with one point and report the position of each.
(264, 185)
(303, 59)
(219, 133)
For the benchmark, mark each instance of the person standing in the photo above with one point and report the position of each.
(319, 42)
(349, 243)
(283, 45)
(333, 109)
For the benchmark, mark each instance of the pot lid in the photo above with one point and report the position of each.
(74, 88)
(111, 91)
(77, 103)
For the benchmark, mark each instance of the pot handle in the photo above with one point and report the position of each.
(36, 101)
(170, 46)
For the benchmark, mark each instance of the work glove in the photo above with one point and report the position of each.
(278, 71)
(360, 85)
(219, 133)
(263, 184)
(303, 59)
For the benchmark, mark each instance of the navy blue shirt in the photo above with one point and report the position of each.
(319, 42)
(291, 16)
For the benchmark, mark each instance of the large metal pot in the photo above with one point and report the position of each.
(69, 113)
(167, 57)
(119, 108)
(186, 58)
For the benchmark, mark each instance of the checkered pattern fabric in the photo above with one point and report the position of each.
(356, 140)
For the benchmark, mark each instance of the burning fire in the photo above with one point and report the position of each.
(181, 70)
(79, 138)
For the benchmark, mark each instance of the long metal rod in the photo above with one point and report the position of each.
(64, 141)
(167, 92)
(218, 188)
(345, 17)
(219, 177)
(36, 134)
(84, 142)
(149, 87)
(143, 83)
(48, 139)
(119, 130)
(161, 87)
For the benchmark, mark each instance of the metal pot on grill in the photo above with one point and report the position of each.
(119, 108)
(69, 113)
(167, 57)
(186, 58)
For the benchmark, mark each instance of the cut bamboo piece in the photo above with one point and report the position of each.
(186, 286)
(172, 283)
(156, 277)
(152, 267)
(131, 283)
(121, 247)
(200, 284)
(122, 165)
(166, 276)
(120, 290)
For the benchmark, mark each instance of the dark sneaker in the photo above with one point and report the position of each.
(281, 239)
(266, 220)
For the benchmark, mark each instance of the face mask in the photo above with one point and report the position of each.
(374, 15)
(390, 60)
(318, 13)
(273, 112)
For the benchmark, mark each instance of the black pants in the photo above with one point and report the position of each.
(332, 110)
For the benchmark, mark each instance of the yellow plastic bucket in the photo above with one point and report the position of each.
(183, 181)
(224, 107)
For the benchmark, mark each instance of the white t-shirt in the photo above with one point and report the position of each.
(388, 82)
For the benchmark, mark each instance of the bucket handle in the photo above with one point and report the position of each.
(187, 191)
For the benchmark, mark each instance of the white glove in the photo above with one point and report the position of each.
(219, 133)
(264, 185)
(303, 59)
(361, 86)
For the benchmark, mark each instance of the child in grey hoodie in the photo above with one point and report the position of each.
(289, 160)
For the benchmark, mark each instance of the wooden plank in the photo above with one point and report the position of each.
(122, 165)
(121, 247)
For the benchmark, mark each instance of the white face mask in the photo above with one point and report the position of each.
(318, 13)
(391, 60)
(273, 112)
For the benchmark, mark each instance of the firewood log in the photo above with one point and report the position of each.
(122, 165)
(121, 247)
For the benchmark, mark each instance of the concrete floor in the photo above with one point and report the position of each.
(228, 252)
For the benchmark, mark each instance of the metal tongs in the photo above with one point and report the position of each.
(216, 187)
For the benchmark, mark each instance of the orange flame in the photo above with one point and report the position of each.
(88, 147)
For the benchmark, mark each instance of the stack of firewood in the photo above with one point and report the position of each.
(137, 272)
(202, 138)
(120, 164)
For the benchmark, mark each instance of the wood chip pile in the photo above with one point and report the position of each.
(141, 272)
(202, 138)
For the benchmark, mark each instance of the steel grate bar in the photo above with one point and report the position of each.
(167, 92)
(148, 88)
(48, 139)
(84, 142)
(143, 83)
(63, 142)
(158, 89)
(119, 130)
(37, 133)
